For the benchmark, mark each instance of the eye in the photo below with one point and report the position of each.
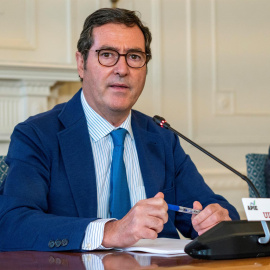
(135, 56)
(107, 54)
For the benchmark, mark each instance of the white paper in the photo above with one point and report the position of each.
(140, 254)
(159, 246)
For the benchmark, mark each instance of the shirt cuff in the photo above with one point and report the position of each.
(94, 235)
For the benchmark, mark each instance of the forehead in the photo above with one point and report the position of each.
(119, 36)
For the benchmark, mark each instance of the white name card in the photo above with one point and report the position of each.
(257, 209)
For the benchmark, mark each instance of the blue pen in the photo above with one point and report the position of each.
(183, 209)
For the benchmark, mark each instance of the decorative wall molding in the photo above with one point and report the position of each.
(228, 185)
(157, 84)
(190, 115)
(222, 180)
(10, 88)
(69, 29)
(38, 71)
(25, 85)
(213, 52)
(20, 99)
(26, 39)
(224, 103)
(228, 110)
(10, 108)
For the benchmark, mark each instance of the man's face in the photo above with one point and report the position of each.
(112, 91)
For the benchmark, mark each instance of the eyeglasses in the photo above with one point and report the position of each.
(134, 59)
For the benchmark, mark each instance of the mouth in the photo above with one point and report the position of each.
(119, 86)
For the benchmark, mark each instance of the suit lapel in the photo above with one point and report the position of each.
(151, 156)
(78, 158)
(77, 155)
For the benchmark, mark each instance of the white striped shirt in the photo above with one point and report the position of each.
(102, 147)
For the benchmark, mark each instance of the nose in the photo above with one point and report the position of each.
(121, 68)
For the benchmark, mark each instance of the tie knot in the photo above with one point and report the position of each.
(118, 136)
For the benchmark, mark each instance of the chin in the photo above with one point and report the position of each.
(121, 107)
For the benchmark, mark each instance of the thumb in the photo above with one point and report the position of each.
(197, 205)
(159, 195)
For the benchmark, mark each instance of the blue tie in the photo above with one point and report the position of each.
(119, 197)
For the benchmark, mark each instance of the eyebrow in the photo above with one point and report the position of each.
(135, 49)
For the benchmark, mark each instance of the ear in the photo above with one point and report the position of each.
(80, 64)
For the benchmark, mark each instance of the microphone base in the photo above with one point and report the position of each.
(230, 240)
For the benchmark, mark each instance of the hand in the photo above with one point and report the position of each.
(145, 220)
(209, 217)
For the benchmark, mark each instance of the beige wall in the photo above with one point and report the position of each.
(209, 76)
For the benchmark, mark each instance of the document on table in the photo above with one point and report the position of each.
(165, 246)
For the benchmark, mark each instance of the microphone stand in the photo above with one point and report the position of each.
(164, 124)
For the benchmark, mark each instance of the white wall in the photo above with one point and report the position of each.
(209, 76)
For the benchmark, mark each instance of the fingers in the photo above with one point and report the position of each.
(149, 217)
(209, 217)
(155, 223)
(152, 208)
(159, 195)
(145, 220)
(197, 205)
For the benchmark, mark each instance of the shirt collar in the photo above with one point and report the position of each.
(99, 127)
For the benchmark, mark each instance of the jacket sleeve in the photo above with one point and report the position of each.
(190, 186)
(25, 219)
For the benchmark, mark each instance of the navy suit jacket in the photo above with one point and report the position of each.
(49, 196)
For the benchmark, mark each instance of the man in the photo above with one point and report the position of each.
(58, 194)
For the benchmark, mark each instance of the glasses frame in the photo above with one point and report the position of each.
(125, 55)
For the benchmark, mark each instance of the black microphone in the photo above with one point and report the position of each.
(228, 239)
(163, 123)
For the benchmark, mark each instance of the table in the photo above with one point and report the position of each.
(119, 261)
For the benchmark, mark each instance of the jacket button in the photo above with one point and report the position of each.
(58, 243)
(64, 242)
(51, 244)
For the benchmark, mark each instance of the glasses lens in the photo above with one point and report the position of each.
(108, 57)
(136, 59)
